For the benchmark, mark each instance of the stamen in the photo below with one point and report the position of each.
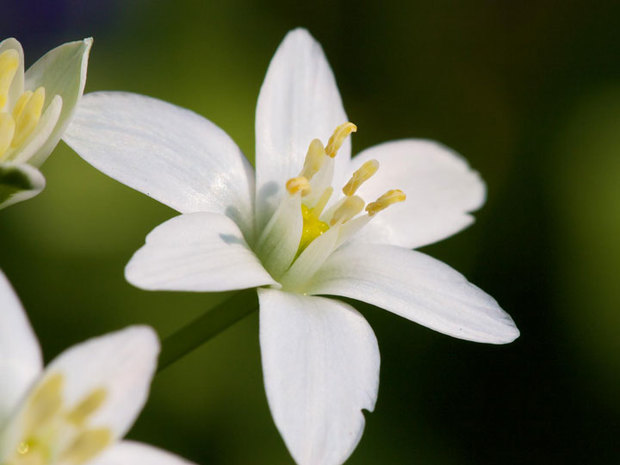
(7, 129)
(87, 445)
(87, 406)
(21, 103)
(338, 137)
(27, 113)
(349, 208)
(314, 159)
(300, 183)
(320, 205)
(9, 62)
(46, 402)
(363, 174)
(387, 199)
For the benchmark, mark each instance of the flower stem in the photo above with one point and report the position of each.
(206, 326)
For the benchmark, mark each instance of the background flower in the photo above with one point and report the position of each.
(35, 108)
(82, 404)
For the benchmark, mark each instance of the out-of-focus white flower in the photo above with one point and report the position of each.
(76, 410)
(35, 108)
(303, 229)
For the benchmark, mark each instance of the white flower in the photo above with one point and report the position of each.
(75, 411)
(35, 109)
(295, 235)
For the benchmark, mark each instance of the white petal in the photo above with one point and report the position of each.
(122, 363)
(18, 183)
(169, 153)
(299, 101)
(279, 241)
(62, 71)
(196, 252)
(17, 86)
(136, 453)
(440, 186)
(20, 355)
(417, 287)
(321, 368)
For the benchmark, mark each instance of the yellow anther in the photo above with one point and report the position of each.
(87, 406)
(314, 159)
(338, 137)
(9, 62)
(27, 113)
(350, 207)
(86, 445)
(46, 401)
(387, 199)
(300, 183)
(7, 129)
(363, 174)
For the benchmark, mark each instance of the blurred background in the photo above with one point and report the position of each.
(528, 92)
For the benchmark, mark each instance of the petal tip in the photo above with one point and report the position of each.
(143, 337)
(300, 36)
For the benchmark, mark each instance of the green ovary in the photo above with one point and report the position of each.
(313, 227)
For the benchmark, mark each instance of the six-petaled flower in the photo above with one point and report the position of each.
(312, 223)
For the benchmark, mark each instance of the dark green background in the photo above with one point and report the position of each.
(528, 91)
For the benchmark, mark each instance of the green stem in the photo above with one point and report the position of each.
(206, 326)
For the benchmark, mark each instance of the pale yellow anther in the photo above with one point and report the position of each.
(350, 207)
(86, 445)
(338, 137)
(363, 174)
(45, 403)
(87, 406)
(314, 159)
(9, 62)
(298, 184)
(7, 129)
(27, 113)
(390, 197)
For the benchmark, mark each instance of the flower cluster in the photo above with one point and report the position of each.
(308, 225)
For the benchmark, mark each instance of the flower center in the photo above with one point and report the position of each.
(313, 227)
(51, 432)
(314, 185)
(18, 122)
